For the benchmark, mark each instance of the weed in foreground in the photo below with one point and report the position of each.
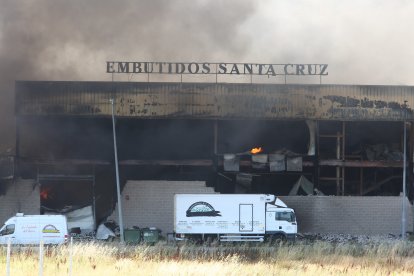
(301, 257)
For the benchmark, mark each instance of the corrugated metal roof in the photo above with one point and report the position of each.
(211, 100)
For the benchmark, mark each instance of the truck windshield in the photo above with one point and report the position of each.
(287, 216)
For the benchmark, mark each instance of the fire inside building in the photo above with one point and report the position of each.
(328, 150)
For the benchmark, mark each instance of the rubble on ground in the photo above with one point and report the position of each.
(349, 238)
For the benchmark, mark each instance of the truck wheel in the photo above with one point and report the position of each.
(210, 239)
(276, 238)
(196, 239)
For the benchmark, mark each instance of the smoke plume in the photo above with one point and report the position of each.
(364, 42)
(72, 40)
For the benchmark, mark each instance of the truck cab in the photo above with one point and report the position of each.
(280, 222)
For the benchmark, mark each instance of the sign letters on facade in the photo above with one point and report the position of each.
(207, 68)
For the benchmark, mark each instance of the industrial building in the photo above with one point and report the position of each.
(326, 149)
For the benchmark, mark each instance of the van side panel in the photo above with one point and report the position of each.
(51, 229)
(28, 230)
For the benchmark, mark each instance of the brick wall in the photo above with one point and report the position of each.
(21, 197)
(151, 203)
(349, 214)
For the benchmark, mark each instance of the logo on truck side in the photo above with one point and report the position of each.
(50, 229)
(202, 209)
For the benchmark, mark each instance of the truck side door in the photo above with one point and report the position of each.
(246, 217)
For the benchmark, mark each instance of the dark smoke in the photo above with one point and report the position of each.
(71, 40)
(364, 42)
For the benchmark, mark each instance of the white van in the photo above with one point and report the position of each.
(31, 229)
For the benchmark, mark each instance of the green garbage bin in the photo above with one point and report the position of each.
(132, 236)
(150, 235)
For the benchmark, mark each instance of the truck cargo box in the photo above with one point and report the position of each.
(220, 214)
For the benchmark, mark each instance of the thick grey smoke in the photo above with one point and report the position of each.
(364, 41)
(72, 40)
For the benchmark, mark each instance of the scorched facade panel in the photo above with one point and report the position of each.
(215, 100)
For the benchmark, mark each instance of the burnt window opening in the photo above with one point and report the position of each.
(360, 140)
(375, 140)
(164, 139)
(51, 138)
(369, 155)
(288, 140)
(56, 138)
(63, 195)
(239, 136)
(195, 142)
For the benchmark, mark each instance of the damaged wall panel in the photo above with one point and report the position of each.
(373, 215)
(216, 100)
(151, 203)
(22, 196)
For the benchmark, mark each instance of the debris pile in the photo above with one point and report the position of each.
(348, 238)
(382, 152)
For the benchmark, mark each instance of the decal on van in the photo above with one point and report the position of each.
(50, 229)
(202, 209)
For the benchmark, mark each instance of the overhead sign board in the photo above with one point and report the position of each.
(209, 68)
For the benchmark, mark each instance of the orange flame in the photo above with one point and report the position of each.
(44, 193)
(256, 150)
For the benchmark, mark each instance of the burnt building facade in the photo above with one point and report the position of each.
(310, 139)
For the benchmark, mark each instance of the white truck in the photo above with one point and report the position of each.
(32, 229)
(233, 217)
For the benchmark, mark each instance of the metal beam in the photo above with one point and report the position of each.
(118, 185)
(63, 177)
(379, 184)
(361, 163)
(184, 162)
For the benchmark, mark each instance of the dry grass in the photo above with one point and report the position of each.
(319, 258)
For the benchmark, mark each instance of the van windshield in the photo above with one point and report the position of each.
(7, 230)
(286, 216)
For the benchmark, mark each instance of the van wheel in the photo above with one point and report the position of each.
(110, 239)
